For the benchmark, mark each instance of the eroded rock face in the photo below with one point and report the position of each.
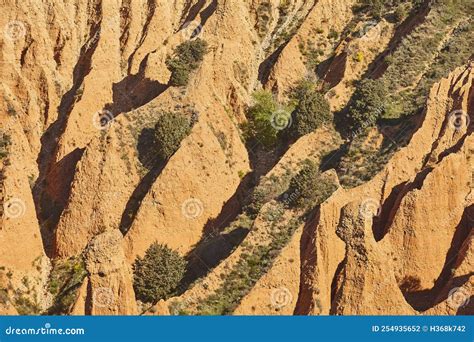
(100, 210)
(364, 282)
(325, 16)
(178, 219)
(22, 254)
(427, 219)
(74, 185)
(109, 283)
(411, 201)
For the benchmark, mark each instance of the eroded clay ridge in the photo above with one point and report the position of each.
(83, 192)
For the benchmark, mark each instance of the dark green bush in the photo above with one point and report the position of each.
(368, 104)
(25, 305)
(65, 279)
(265, 191)
(158, 273)
(375, 7)
(308, 188)
(333, 34)
(400, 13)
(4, 297)
(186, 58)
(266, 118)
(312, 109)
(5, 142)
(264, 15)
(258, 198)
(379, 8)
(170, 130)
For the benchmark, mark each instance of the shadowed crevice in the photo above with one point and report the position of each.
(383, 222)
(468, 308)
(151, 7)
(424, 299)
(265, 68)
(193, 11)
(387, 213)
(53, 196)
(48, 210)
(336, 289)
(148, 155)
(214, 245)
(50, 138)
(469, 129)
(305, 302)
(208, 253)
(336, 67)
(135, 200)
(232, 207)
(378, 66)
(149, 159)
(208, 12)
(134, 91)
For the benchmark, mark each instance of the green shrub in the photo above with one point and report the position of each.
(311, 54)
(260, 195)
(25, 305)
(5, 142)
(375, 7)
(380, 8)
(170, 130)
(264, 119)
(333, 34)
(284, 8)
(312, 109)
(65, 279)
(4, 297)
(308, 188)
(253, 263)
(400, 13)
(368, 104)
(158, 273)
(264, 192)
(264, 16)
(186, 58)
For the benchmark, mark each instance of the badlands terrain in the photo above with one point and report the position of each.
(236, 157)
